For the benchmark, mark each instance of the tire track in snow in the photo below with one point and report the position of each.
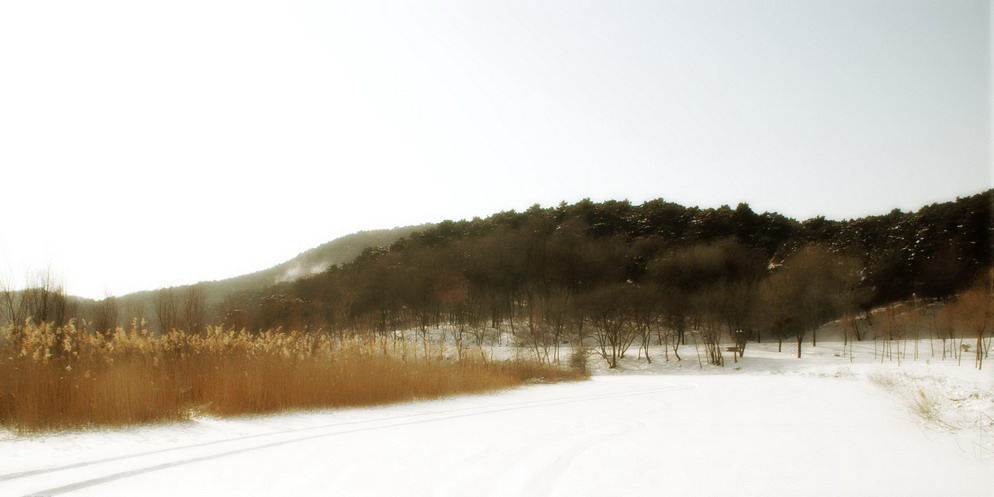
(482, 410)
(545, 477)
(538, 470)
(530, 403)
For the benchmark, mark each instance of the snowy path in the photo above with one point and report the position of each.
(653, 435)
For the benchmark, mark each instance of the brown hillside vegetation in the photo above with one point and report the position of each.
(63, 378)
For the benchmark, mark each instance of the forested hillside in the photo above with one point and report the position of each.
(549, 270)
(612, 270)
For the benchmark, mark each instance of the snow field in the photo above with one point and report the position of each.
(821, 427)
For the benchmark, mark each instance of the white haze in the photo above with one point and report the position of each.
(145, 144)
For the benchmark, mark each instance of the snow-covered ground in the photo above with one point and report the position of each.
(769, 425)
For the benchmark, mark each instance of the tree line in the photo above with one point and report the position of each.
(614, 275)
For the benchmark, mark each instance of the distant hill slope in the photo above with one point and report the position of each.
(338, 251)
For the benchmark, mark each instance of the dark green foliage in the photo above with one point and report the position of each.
(495, 268)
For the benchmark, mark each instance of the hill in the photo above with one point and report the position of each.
(558, 266)
(315, 260)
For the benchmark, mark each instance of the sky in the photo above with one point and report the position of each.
(158, 143)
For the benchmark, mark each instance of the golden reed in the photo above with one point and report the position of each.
(68, 378)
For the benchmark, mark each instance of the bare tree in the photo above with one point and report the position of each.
(195, 308)
(738, 308)
(708, 303)
(135, 313)
(12, 307)
(45, 299)
(609, 311)
(893, 323)
(851, 295)
(802, 294)
(974, 310)
(646, 315)
(776, 307)
(232, 312)
(167, 309)
(105, 315)
(943, 321)
(712, 285)
(675, 309)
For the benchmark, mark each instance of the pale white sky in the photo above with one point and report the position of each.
(151, 143)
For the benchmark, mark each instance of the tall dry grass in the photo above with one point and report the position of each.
(59, 378)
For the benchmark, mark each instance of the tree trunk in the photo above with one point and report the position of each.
(980, 352)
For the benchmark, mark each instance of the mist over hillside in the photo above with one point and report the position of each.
(310, 262)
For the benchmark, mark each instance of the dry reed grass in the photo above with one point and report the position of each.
(67, 378)
(922, 401)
